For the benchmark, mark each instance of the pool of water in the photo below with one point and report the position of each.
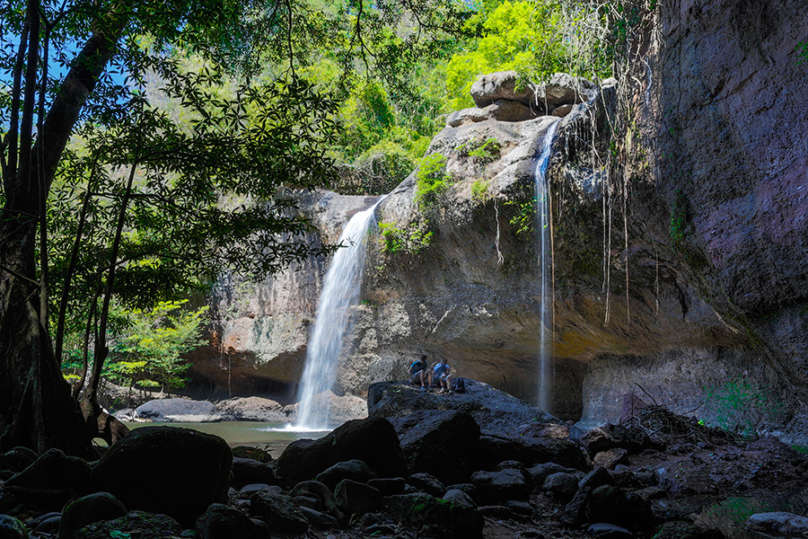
(270, 436)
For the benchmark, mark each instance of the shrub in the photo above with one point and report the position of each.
(432, 180)
(742, 405)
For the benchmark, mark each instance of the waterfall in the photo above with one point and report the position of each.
(333, 322)
(546, 369)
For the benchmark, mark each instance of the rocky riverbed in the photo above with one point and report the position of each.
(422, 465)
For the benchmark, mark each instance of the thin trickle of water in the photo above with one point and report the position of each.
(340, 294)
(546, 370)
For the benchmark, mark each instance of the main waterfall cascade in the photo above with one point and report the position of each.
(333, 322)
(543, 218)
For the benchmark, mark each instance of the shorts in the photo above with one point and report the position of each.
(416, 377)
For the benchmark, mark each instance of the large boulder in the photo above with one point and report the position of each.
(178, 411)
(563, 89)
(487, 89)
(495, 411)
(372, 440)
(179, 472)
(439, 442)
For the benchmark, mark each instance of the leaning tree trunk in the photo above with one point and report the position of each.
(36, 406)
(35, 401)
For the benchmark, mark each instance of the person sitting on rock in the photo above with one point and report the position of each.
(420, 372)
(443, 373)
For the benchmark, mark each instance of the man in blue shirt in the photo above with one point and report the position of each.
(419, 371)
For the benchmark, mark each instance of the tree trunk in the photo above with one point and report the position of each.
(35, 401)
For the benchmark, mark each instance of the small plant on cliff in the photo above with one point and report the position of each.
(479, 191)
(524, 219)
(802, 51)
(678, 217)
(432, 180)
(395, 240)
(488, 151)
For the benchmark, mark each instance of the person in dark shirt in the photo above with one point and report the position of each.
(419, 371)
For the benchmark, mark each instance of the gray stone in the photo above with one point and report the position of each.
(88, 509)
(469, 489)
(562, 110)
(611, 458)
(326, 502)
(502, 485)
(279, 512)
(250, 471)
(540, 472)
(780, 524)
(223, 522)
(427, 483)
(356, 470)
(458, 496)
(562, 486)
(428, 437)
(601, 530)
(468, 116)
(178, 411)
(248, 490)
(503, 85)
(354, 497)
(504, 110)
(47, 523)
(564, 89)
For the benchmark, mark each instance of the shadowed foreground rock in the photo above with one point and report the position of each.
(178, 472)
(372, 440)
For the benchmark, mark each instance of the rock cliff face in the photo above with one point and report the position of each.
(680, 270)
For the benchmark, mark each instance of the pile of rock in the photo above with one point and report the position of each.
(437, 472)
(503, 97)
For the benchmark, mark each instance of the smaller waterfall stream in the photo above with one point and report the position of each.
(333, 323)
(546, 370)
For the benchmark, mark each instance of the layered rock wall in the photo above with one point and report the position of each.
(680, 268)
